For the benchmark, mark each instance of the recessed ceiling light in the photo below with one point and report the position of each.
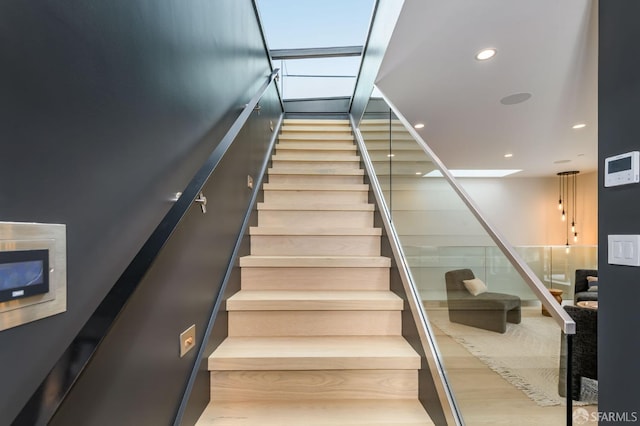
(419, 125)
(418, 173)
(391, 155)
(579, 126)
(508, 155)
(485, 54)
(475, 173)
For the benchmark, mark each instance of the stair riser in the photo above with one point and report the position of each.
(292, 134)
(314, 323)
(313, 279)
(298, 154)
(303, 197)
(326, 166)
(319, 146)
(311, 137)
(313, 305)
(316, 179)
(310, 245)
(302, 218)
(326, 385)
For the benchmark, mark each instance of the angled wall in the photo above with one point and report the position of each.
(107, 110)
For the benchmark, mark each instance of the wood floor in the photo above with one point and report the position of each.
(485, 398)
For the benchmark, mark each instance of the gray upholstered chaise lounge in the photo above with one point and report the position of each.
(489, 311)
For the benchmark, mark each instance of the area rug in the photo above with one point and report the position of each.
(527, 355)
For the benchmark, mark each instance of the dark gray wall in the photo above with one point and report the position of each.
(136, 377)
(107, 110)
(618, 208)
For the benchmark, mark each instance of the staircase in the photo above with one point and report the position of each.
(314, 334)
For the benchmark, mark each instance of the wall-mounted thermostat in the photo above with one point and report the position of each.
(622, 169)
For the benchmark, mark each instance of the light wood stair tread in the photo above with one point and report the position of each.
(300, 127)
(315, 187)
(314, 353)
(314, 146)
(316, 261)
(316, 137)
(315, 121)
(340, 172)
(343, 158)
(345, 412)
(317, 206)
(315, 231)
(292, 300)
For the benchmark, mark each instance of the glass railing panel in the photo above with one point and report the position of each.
(555, 266)
(500, 349)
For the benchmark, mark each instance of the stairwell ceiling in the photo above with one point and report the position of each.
(547, 48)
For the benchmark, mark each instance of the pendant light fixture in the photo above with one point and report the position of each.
(567, 201)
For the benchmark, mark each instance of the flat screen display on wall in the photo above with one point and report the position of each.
(23, 273)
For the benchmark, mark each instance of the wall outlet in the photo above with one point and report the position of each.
(249, 182)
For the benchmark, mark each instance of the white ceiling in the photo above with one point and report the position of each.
(545, 47)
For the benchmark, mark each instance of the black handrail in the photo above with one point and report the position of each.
(58, 383)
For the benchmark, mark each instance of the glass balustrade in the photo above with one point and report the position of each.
(503, 354)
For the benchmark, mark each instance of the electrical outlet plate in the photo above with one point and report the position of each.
(187, 340)
(249, 182)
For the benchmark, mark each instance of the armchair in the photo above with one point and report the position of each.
(489, 311)
(584, 356)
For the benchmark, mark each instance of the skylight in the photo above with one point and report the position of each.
(294, 24)
(486, 173)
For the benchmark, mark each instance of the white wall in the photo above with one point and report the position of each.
(525, 209)
(429, 217)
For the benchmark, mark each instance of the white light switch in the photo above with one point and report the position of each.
(623, 250)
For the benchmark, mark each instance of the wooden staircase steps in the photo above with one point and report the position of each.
(343, 412)
(315, 214)
(346, 176)
(296, 300)
(314, 353)
(346, 146)
(314, 193)
(314, 241)
(315, 334)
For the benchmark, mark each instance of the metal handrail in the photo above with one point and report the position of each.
(562, 318)
(424, 329)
